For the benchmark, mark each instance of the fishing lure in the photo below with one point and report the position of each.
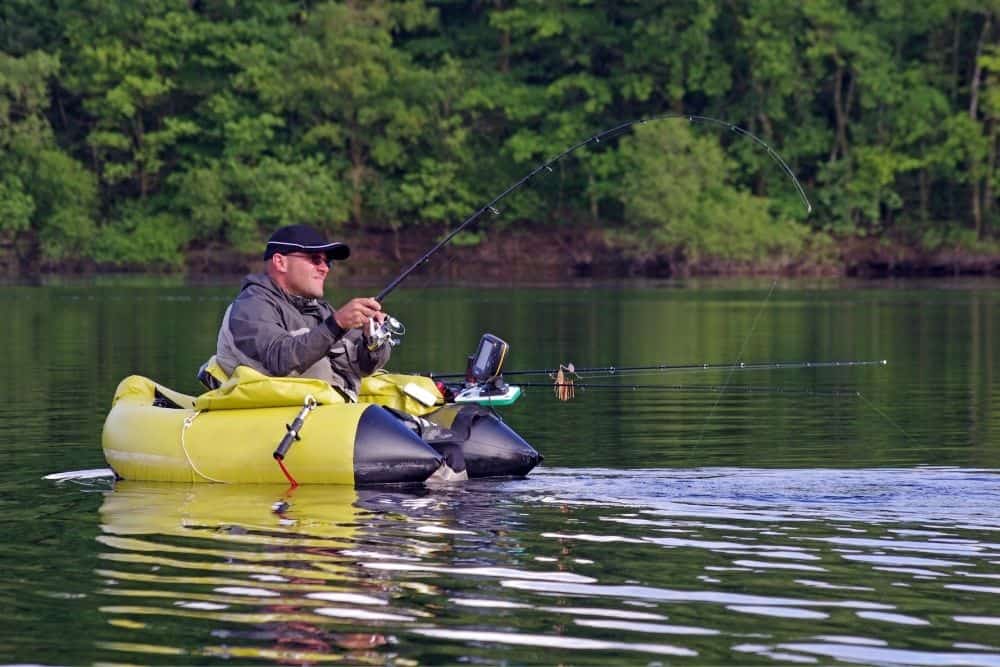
(564, 382)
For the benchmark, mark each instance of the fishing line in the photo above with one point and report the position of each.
(884, 415)
(736, 389)
(739, 358)
(491, 206)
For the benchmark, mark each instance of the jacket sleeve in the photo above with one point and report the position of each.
(260, 333)
(352, 358)
(368, 361)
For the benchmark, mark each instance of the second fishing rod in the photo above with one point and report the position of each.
(653, 369)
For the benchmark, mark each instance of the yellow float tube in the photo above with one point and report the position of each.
(230, 434)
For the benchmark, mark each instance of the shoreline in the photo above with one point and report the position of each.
(552, 255)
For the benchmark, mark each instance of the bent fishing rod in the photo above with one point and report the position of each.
(546, 166)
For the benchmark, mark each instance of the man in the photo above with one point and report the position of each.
(279, 323)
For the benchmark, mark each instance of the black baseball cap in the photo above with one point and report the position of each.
(303, 238)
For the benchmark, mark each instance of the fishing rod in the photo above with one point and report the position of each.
(674, 368)
(595, 139)
(703, 388)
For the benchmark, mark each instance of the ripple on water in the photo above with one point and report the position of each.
(572, 566)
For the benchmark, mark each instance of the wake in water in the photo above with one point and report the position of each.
(954, 497)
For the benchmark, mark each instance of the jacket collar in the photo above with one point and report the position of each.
(305, 305)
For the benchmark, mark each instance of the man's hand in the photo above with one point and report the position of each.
(356, 313)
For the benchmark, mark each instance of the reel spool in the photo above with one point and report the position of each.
(390, 331)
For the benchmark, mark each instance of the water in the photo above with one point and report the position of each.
(717, 520)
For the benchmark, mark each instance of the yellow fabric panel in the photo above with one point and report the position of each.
(213, 368)
(237, 445)
(135, 388)
(139, 389)
(446, 415)
(247, 388)
(143, 442)
(388, 389)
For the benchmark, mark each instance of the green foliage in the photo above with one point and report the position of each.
(140, 237)
(956, 236)
(676, 196)
(66, 194)
(42, 189)
(179, 124)
(16, 205)
(467, 238)
(233, 201)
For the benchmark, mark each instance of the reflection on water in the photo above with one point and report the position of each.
(257, 565)
(574, 566)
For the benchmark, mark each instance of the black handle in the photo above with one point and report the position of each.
(285, 444)
(292, 433)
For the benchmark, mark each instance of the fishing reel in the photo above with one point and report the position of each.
(390, 331)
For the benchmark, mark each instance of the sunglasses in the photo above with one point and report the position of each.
(316, 259)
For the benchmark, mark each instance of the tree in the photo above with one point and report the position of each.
(344, 90)
(678, 197)
(47, 199)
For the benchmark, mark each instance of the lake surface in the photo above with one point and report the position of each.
(821, 515)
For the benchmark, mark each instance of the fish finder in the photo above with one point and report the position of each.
(487, 362)
(484, 383)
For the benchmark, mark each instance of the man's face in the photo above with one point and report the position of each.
(303, 273)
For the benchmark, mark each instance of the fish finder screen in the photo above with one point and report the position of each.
(489, 358)
(483, 359)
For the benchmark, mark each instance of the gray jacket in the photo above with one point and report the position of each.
(279, 334)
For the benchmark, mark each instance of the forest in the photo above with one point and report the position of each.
(135, 133)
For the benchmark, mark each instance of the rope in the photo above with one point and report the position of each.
(288, 475)
(187, 424)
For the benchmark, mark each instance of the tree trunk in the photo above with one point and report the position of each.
(976, 81)
(841, 109)
(593, 198)
(977, 68)
(504, 63)
(991, 168)
(925, 195)
(955, 42)
(139, 135)
(977, 210)
(848, 103)
(765, 123)
(562, 181)
(767, 129)
(357, 174)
